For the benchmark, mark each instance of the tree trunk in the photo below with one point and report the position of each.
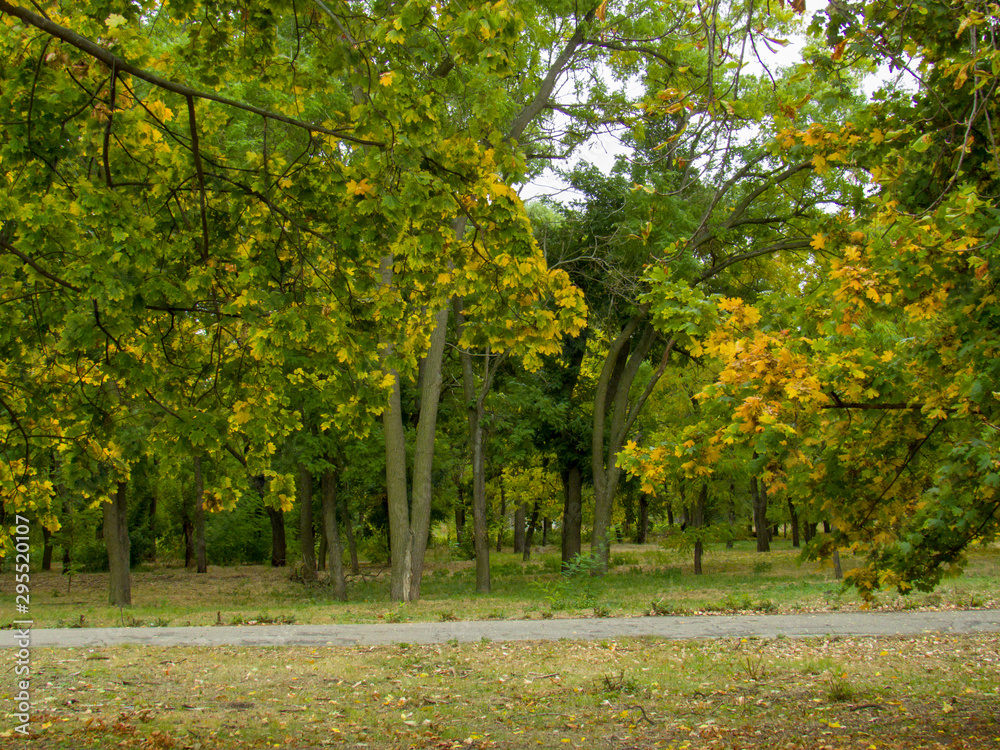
(460, 515)
(68, 528)
(546, 527)
(520, 527)
(410, 514)
(187, 527)
(572, 528)
(334, 549)
(697, 521)
(307, 538)
(324, 544)
(502, 520)
(794, 516)
(611, 400)
(201, 550)
(480, 525)
(670, 515)
(279, 549)
(611, 397)
(117, 542)
(529, 535)
(758, 496)
(352, 547)
(731, 514)
(46, 549)
(838, 571)
(475, 400)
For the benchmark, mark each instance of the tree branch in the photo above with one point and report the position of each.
(51, 277)
(531, 110)
(116, 63)
(196, 150)
(792, 244)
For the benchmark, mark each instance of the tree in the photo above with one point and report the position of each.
(237, 260)
(876, 400)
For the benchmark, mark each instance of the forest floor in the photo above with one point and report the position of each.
(833, 693)
(827, 691)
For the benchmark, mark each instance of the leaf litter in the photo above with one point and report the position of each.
(935, 691)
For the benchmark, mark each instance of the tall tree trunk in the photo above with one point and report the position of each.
(838, 571)
(546, 527)
(614, 417)
(279, 549)
(758, 496)
(520, 521)
(794, 516)
(334, 549)
(460, 515)
(68, 530)
(46, 549)
(307, 538)
(731, 514)
(117, 542)
(475, 399)
(529, 535)
(572, 513)
(324, 544)
(480, 525)
(502, 520)
(410, 514)
(201, 549)
(352, 547)
(697, 521)
(188, 527)
(630, 523)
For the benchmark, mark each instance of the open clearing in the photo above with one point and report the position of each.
(820, 693)
(814, 694)
(643, 579)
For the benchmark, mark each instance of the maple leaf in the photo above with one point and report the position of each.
(360, 188)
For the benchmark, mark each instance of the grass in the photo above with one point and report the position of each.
(923, 692)
(645, 580)
(796, 694)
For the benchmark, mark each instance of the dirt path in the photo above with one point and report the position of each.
(676, 628)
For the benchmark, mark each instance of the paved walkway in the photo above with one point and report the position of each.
(675, 628)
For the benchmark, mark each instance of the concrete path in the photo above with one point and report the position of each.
(675, 628)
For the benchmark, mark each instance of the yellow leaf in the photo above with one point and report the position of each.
(818, 242)
(387, 78)
(160, 111)
(360, 188)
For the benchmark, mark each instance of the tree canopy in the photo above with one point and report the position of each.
(259, 230)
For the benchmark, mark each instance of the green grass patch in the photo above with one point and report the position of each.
(649, 580)
(846, 693)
